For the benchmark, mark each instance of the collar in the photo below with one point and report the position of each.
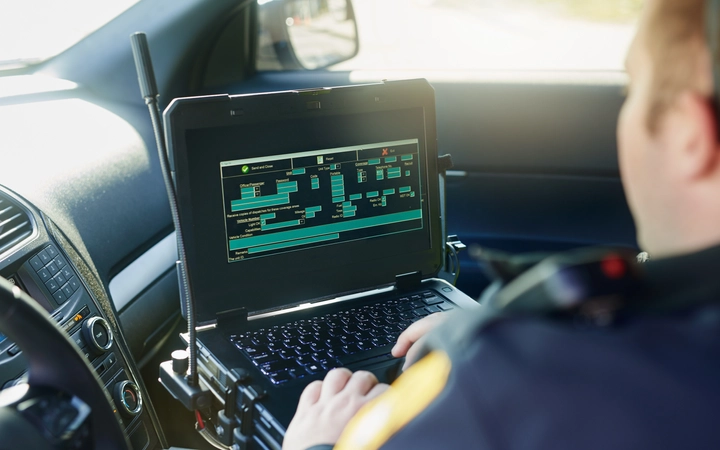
(684, 281)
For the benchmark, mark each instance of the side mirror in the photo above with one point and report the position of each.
(307, 34)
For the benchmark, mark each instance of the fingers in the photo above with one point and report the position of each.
(326, 407)
(335, 382)
(361, 382)
(411, 356)
(309, 396)
(376, 391)
(408, 337)
(414, 332)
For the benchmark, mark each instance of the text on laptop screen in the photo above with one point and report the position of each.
(291, 202)
(285, 207)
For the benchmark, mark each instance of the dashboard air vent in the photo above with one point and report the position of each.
(15, 223)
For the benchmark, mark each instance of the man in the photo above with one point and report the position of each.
(650, 381)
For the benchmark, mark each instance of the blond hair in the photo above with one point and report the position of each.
(675, 40)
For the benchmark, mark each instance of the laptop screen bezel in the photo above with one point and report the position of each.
(221, 286)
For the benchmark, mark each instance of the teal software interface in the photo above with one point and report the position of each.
(291, 202)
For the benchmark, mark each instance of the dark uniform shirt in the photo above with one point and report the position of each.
(649, 380)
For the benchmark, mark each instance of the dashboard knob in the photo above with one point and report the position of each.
(128, 398)
(98, 335)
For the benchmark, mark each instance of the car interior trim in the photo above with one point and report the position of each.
(142, 272)
(33, 84)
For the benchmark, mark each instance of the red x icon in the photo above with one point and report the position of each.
(385, 152)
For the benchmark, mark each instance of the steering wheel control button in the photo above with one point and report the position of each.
(14, 350)
(128, 399)
(97, 334)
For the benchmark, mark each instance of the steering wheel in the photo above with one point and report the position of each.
(63, 403)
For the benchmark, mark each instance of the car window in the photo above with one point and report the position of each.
(490, 34)
(34, 30)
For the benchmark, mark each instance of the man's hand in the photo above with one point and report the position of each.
(408, 342)
(326, 407)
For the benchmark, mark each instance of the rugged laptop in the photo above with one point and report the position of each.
(312, 227)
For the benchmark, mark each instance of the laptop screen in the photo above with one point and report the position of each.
(281, 208)
(295, 201)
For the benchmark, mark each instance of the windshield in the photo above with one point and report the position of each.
(34, 30)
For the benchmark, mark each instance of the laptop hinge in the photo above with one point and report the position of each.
(408, 281)
(232, 318)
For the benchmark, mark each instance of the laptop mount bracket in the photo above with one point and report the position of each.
(192, 397)
(244, 433)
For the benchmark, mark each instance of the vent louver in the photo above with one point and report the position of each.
(15, 223)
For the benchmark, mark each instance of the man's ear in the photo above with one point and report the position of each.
(693, 137)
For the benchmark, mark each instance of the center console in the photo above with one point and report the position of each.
(36, 263)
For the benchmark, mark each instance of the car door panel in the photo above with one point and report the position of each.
(534, 213)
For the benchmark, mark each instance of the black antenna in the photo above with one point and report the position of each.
(149, 91)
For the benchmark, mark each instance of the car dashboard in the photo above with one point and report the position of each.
(39, 260)
(81, 200)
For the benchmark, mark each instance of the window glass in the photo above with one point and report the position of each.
(492, 34)
(34, 30)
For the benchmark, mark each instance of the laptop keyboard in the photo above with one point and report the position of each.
(311, 346)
